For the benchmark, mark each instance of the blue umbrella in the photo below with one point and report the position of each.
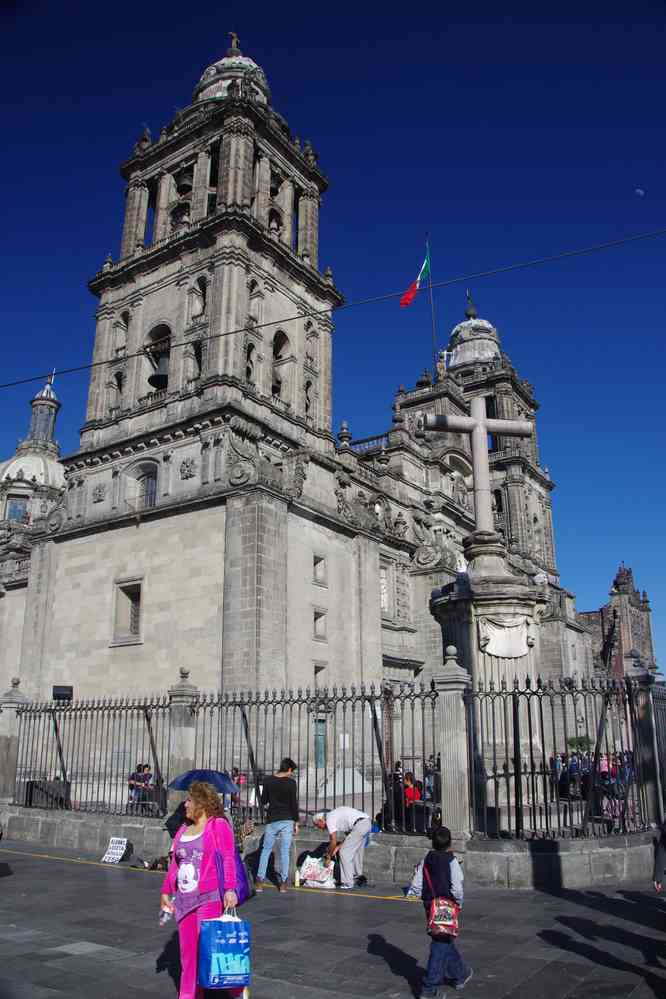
(220, 781)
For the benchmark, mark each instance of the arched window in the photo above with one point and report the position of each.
(121, 330)
(308, 400)
(275, 222)
(280, 346)
(255, 308)
(281, 380)
(147, 487)
(250, 354)
(16, 509)
(499, 501)
(159, 353)
(198, 298)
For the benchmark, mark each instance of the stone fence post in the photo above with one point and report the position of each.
(651, 764)
(10, 701)
(452, 684)
(182, 699)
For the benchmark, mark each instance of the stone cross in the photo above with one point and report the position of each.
(479, 426)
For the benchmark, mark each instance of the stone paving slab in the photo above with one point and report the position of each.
(71, 927)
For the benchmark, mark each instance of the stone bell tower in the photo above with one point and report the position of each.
(209, 397)
(216, 297)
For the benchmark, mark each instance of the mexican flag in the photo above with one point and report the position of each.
(423, 276)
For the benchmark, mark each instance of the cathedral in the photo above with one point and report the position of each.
(211, 517)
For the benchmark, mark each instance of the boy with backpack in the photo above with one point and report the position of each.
(442, 896)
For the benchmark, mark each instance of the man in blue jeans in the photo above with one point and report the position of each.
(279, 794)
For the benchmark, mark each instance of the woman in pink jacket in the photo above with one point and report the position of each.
(192, 878)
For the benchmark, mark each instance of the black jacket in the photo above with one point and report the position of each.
(438, 866)
(660, 863)
(279, 793)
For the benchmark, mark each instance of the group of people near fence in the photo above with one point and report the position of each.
(203, 881)
(139, 783)
(411, 803)
(571, 772)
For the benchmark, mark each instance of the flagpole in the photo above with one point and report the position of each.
(432, 310)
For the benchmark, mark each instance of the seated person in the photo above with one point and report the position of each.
(135, 782)
(412, 792)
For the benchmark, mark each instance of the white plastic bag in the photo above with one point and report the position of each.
(314, 873)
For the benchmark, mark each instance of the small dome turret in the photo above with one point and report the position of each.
(473, 340)
(236, 75)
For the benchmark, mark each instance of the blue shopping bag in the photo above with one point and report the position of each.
(224, 953)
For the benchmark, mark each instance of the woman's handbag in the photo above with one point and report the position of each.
(244, 882)
(444, 912)
(224, 952)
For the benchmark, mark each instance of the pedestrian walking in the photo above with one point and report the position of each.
(191, 889)
(354, 826)
(280, 795)
(442, 879)
(660, 861)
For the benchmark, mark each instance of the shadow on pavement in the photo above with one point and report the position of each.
(650, 948)
(605, 958)
(635, 907)
(402, 965)
(169, 960)
(5, 871)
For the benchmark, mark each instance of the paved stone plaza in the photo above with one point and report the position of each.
(76, 929)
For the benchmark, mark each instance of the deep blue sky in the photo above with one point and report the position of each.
(507, 136)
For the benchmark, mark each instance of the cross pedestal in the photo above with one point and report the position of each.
(489, 613)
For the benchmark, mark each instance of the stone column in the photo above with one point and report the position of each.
(162, 206)
(201, 184)
(182, 700)
(287, 205)
(254, 627)
(234, 189)
(141, 216)
(452, 683)
(263, 189)
(649, 751)
(10, 702)
(308, 227)
(326, 374)
(132, 198)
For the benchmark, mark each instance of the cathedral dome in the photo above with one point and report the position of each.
(231, 73)
(45, 469)
(473, 340)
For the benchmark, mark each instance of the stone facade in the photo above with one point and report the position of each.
(210, 517)
(633, 652)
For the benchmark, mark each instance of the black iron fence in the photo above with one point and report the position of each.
(545, 760)
(557, 760)
(101, 755)
(369, 747)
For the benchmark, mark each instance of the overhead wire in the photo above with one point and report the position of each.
(372, 300)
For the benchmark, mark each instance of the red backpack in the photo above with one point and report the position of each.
(444, 912)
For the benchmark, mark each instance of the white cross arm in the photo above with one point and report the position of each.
(466, 424)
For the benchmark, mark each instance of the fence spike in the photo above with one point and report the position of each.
(516, 685)
(539, 682)
(528, 682)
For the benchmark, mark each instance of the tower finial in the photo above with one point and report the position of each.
(51, 377)
(235, 44)
(470, 311)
